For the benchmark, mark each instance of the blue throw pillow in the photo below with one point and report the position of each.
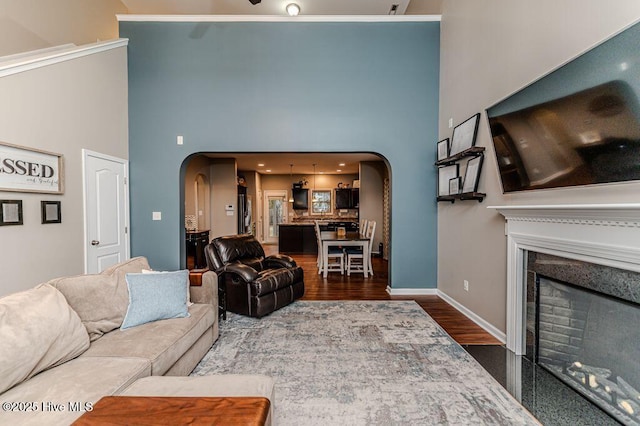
(154, 297)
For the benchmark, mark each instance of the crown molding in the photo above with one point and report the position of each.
(276, 18)
(15, 64)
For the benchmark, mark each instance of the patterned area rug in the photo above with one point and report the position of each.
(362, 363)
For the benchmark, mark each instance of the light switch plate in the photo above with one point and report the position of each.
(157, 216)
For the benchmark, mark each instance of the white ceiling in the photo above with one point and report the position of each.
(279, 163)
(277, 7)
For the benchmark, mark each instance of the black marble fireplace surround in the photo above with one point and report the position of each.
(583, 326)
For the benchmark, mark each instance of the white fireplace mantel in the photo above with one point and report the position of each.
(605, 234)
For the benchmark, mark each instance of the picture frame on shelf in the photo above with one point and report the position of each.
(472, 174)
(443, 149)
(11, 212)
(445, 174)
(464, 135)
(454, 186)
(51, 211)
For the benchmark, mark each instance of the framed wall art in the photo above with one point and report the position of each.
(464, 135)
(454, 186)
(443, 149)
(51, 211)
(472, 174)
(30, 170)
(445, 174)
(10, 212)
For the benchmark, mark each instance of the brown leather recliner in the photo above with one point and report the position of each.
(253, 284)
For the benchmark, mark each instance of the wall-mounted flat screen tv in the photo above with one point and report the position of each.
(578, 125)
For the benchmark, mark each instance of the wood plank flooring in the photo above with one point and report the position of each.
(356, 287)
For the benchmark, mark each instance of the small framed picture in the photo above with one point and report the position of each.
(454, 185)
(472, 174)
(10, 212)
(445, 174)
(464, 134)
(443, 149)
(51, 212)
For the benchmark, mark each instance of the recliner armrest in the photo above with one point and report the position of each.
(247, 273)
(280, 260)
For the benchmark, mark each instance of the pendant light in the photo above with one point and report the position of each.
(291, 179)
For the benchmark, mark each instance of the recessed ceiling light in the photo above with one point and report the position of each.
(268, 170)
(342, 164)
(339, 170)
(293, 9)
(260, 164)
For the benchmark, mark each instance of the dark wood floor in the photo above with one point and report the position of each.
(356, 287)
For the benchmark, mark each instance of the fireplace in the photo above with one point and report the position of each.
(582, 326)
(573, 298)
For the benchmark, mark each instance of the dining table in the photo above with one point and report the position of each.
(347, 239)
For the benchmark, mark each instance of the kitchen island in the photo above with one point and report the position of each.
(300, 237)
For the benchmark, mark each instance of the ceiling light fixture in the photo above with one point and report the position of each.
(260, 164)
(293, 9)
(342, 164)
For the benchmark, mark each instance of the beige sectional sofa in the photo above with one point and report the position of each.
(62, 347)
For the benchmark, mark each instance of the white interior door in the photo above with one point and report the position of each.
(106, 211)
(275, 213)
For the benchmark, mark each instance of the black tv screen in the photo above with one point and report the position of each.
(578, 125)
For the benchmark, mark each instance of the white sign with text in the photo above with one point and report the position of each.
(29, 170)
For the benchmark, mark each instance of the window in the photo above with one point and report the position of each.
(320, 201)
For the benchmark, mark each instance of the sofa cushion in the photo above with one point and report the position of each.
(161, 342)
(100, 300)
(38, 330)
(154, 297)
(80, 381)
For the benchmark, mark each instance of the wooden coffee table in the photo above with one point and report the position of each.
(152, 410)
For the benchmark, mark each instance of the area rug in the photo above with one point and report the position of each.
(362, 363)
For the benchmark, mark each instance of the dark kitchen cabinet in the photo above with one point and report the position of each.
(347, 198)
(300, 198)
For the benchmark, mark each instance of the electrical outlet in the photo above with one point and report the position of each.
(466, 285)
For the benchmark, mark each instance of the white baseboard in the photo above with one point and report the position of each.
(474, 317)
(412, 291)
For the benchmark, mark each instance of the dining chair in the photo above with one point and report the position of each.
(355, 256)
(335, 259)
(363, 226)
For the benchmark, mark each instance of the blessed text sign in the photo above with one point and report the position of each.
(30, 170)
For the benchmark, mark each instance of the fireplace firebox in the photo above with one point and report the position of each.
(583, 327)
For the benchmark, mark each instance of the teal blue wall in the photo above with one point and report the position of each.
(285, 87)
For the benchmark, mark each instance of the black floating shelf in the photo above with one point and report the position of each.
(474, 151)
(479, 196)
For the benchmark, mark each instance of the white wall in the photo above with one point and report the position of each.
(31, 25)
(372, 175)
(63, 108)
(489, 49)
(224, 191)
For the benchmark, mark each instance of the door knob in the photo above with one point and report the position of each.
(95, 242)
